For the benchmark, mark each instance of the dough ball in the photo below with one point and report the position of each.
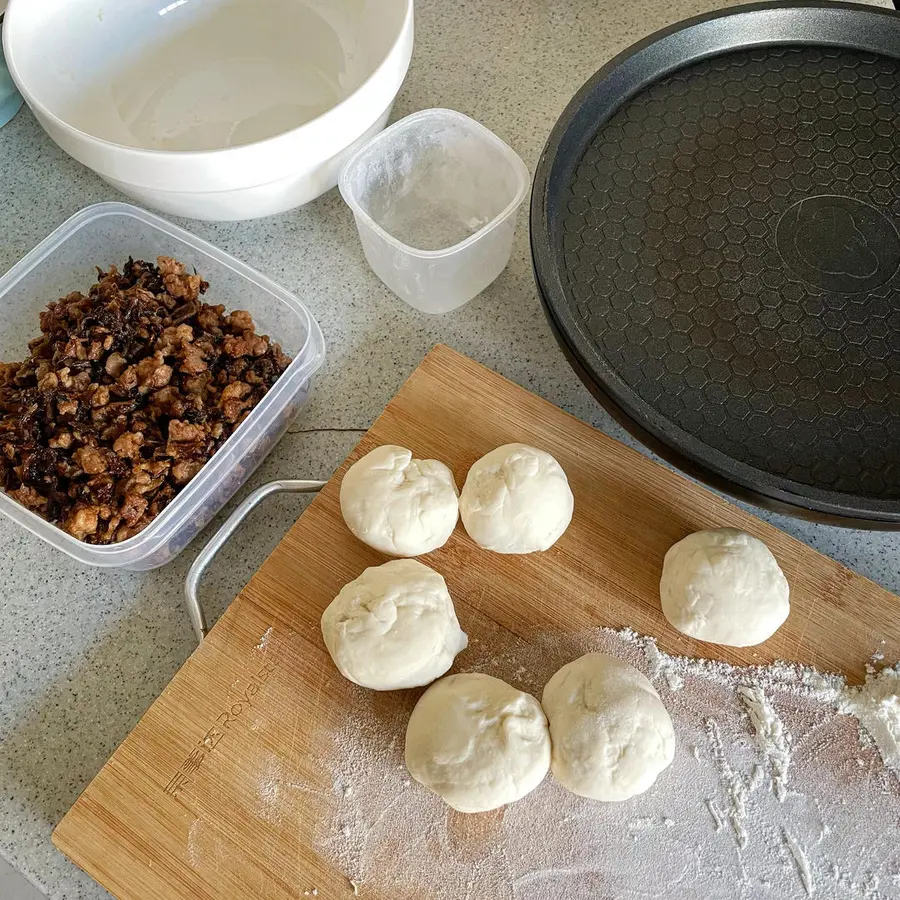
(611, 733)
(477, 742)
(399, 505)
(393, 627)
(724, 586)
(516, 499)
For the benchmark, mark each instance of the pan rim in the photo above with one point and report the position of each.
(614, 85)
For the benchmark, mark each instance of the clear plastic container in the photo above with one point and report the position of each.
(435, 198)
(108, 233)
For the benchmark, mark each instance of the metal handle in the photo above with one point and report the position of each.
(220, 538)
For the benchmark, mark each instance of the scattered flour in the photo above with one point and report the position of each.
(645, 822)
(662, 666)
(737, 788)
(264, 640)
(877, 706)
(773, 739)
(206, 852)
(193, 842)
(710, 828)
(802, 861)
(716, 815)
(270, 787)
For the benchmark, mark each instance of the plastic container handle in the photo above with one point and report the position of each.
(222, 536)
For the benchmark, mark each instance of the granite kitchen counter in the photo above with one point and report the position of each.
(83, 652)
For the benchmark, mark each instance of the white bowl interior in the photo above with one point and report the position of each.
(189, 75)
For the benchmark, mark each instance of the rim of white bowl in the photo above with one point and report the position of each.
(183, 154)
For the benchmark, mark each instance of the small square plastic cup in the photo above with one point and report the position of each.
(435, 198)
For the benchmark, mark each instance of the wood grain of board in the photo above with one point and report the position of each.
(188, 806)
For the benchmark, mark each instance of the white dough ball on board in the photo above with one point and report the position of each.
(724, 586)
(516, 499)
(477, 742)
(611, 733)
(393, 627)
(399, 505)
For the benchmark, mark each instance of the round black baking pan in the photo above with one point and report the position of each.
(714, 231)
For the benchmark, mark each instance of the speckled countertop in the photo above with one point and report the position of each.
(84, 652)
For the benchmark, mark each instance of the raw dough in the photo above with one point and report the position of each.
(724, 586)
(393, 627)
(516, 499)
(399, 505)
(477, 742)
(611, 733)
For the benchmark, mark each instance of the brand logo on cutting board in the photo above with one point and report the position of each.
(240, 700)
(838, 243)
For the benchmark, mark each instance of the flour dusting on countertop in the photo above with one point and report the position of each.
(771, 795)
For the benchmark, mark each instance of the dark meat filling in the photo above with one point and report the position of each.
(126, 394)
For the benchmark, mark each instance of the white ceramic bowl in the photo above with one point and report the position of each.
(211, 109)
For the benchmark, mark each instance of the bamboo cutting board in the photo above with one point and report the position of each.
(176, 814)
